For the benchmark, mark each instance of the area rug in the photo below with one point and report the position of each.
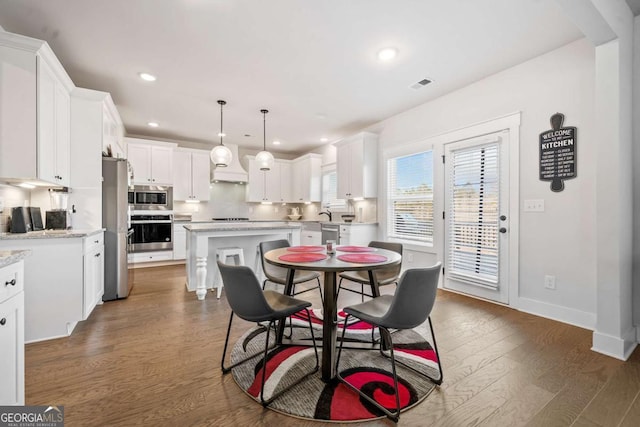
(367, 369)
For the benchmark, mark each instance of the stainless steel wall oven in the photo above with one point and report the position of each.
(152, 232)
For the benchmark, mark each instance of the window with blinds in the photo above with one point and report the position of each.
(410, 197)
(473, 215)
(330, 191)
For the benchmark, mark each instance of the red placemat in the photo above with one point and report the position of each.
(302, 257)
(306, 248)
(362, 258)
(355, 249)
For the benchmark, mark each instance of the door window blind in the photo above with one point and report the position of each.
(473, 215)
(410, 197)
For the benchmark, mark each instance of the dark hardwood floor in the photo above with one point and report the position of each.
(154, 360)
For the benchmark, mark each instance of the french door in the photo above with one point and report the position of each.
(477, 216)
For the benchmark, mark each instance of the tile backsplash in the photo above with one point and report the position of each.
(10, 197)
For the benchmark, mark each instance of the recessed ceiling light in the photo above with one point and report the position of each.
(387, 54)
(147, 77)
(153, 124)
(324, 139)
(276, 142)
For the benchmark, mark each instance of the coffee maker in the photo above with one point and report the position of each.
(58, 218)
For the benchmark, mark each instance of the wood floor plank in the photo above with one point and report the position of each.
(153, 359)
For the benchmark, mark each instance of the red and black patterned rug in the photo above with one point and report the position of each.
(366, 369)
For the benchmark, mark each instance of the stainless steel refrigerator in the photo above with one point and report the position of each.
(115, 221)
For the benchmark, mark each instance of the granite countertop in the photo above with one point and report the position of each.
(50, 234)
(10, 257)
(239, 226)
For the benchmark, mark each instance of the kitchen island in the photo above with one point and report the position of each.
(204, 239)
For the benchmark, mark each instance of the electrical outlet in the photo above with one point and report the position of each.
(550, 282)
(409, 257)
(276, 209)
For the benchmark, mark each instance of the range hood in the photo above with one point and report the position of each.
(232, 173)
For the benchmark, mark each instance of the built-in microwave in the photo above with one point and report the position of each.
(151, 197)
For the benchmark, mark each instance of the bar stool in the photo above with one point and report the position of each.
(222, 254)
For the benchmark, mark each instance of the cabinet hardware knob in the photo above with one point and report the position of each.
(3, 321)
(97, 255)
(11, 282)
(96, 241)
(503, 230)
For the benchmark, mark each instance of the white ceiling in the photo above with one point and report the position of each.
(311, 63)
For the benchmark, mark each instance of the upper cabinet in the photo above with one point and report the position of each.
(357, 164)
(35, 131)
(152, 161)
(191, 169)
(269, 186)
(306, 178)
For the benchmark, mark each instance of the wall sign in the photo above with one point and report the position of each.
(558, 153)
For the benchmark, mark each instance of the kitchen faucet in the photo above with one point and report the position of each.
(327, 213)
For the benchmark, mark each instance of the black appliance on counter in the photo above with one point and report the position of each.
(20, 220)
(36, 219)
(58, 219)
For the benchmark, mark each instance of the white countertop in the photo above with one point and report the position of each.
(239, 226)
(10, 257)
(50, 234)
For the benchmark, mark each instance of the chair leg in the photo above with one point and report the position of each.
(362, 291)
(436, 381)
(320, 290)
(393, 416)
(226, 370)
(266, 403)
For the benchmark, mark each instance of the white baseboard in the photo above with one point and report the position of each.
(619, 348)
(571, 316)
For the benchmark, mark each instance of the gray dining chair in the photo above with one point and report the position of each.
(409, 307)
(252, 304)
(278, 275)
(386, 276)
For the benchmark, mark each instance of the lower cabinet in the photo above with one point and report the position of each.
(179, 241)
(357, 234)
(93, 274)
(12, 334)
(138, 257)
(63, 282)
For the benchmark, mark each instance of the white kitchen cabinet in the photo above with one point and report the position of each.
(313, 238)
(179, 240)
(152, 162)
(357, 234)
(357, 164)
(35, 137)
(95, 124)
(141, 257)
(93, 273)
(12, 334)
(59, 289)
(191, 174)
(269, 186)
(306, 178)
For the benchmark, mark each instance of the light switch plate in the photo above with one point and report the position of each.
(534, 205)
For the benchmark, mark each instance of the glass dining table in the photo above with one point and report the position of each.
(330, 265)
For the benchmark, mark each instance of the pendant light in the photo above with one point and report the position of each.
(220, 155)
(264, 158)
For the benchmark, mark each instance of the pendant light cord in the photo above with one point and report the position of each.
(264, 129)
(221, 102)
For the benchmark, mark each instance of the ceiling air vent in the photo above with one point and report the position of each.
(420, 84)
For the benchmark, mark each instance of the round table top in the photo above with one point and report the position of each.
(332, 263)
